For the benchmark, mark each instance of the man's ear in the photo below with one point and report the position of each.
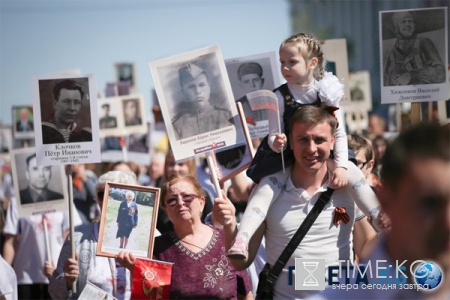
(262, 81)
(333, 141)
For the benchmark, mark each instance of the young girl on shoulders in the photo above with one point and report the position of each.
(307, 83)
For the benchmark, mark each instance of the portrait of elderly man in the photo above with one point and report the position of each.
(68, 98)
(38, 179)
(250, 80)
(196, 114)
(24, 124)
(413, 60)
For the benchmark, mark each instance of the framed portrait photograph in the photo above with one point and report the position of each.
(39, 189)
(66, 120)
(126, 72)
(360, 92)
(248, 74)
(336, 58)
(197, 102)
(128, 221)
(413, 55)
(232, 161)
(23, 122)
(123, 115)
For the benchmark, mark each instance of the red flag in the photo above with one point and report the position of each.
(151, 279)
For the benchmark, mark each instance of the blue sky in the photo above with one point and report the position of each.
(38, 38)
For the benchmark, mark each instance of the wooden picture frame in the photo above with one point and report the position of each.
(117, 218)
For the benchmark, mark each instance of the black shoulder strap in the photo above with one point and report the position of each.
(298, 236)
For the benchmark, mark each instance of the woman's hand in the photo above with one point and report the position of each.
(71, 271)
(224, 211)
(126, 259)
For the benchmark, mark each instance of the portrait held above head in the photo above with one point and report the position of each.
(38, 179)
(413, 60)
(24, 124)
(195, 112)
(251, 79)
(67, 102)
(131, 113)
(107, 121)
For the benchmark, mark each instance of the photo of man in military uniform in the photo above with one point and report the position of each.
(195, 113)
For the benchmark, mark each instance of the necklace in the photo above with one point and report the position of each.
(185, 242)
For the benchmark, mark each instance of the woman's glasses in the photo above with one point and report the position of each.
(187, 199)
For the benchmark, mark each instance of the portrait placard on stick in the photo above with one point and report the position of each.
(231, 162)
(39, 189)
(23, 122)
(197, 102)
(252, 73)
(413, 55)
(360, 92)
(122, 115)
(335, 54)
(126, 73)
(128, 220)
(66, 120)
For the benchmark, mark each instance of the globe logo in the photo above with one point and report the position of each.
(428, 275)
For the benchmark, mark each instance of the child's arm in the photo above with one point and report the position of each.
(340, 176)
(363, 194)
(276, 138)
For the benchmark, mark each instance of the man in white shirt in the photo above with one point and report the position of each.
(312, 138)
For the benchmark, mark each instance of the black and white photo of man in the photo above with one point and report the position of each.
(38, 180)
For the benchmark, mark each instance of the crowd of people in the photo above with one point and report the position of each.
(390, 201)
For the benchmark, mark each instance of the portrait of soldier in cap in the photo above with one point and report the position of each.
(196, 114)
(107, 121)
(250, 80)
(413, 60)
